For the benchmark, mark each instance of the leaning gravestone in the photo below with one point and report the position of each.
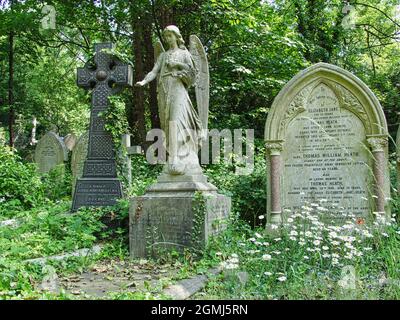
(79, 155)
(106, 75)
(70, 141)
(327, 138)
(50, 152)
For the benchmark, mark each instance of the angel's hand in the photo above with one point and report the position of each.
(180, 74)
(181, 66)
(140, 83)
(171, 64)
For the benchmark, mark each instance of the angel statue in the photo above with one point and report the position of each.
(176, 70)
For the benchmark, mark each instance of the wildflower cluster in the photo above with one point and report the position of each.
(309, 242)
(231, 263)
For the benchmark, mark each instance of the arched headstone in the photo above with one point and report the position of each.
(327, 139)
(50, 152)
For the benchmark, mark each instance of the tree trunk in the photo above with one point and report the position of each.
(149, 63)
(166, 16)
(136, 117)
(11, 114)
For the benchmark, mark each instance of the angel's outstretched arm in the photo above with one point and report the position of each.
(151, 75)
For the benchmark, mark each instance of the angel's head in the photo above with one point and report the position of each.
(172, 35)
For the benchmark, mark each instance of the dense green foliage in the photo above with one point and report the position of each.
(50, 230)
(254, 48)
(21, 187)
(19, 182)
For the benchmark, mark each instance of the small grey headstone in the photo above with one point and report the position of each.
(50, 152)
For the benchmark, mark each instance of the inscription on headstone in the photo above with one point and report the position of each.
(326, 136)
(327, 147)
(50, 151)
(99, 185)
(152, 229)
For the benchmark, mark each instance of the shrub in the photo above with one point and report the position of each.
(248, 192)
(19, 182)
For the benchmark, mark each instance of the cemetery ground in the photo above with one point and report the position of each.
(296, 264)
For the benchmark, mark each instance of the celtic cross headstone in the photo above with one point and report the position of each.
(105, 75)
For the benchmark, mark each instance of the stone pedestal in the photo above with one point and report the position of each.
(177, 212)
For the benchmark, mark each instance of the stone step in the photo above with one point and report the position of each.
(184, 289)
(78, 253)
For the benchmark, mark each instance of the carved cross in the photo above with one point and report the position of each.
(106, 75)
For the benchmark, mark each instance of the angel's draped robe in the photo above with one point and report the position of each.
(176, 109)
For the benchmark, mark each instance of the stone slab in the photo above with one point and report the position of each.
(78, 253)
(184, 289)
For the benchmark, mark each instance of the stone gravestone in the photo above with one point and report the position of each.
(50, 152)
(327, 138)
(70, 141)
(79, 155)
(99, 185)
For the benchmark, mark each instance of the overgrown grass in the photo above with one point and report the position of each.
(299, 262)
(317, 262)
(51, 230)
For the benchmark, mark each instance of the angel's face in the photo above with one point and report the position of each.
(170, 38)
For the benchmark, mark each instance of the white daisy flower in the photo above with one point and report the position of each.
(267, 257)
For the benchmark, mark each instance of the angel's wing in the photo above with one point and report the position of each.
(202, 86)
(158, 49)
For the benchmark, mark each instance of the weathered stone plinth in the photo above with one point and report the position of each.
(176, 213)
